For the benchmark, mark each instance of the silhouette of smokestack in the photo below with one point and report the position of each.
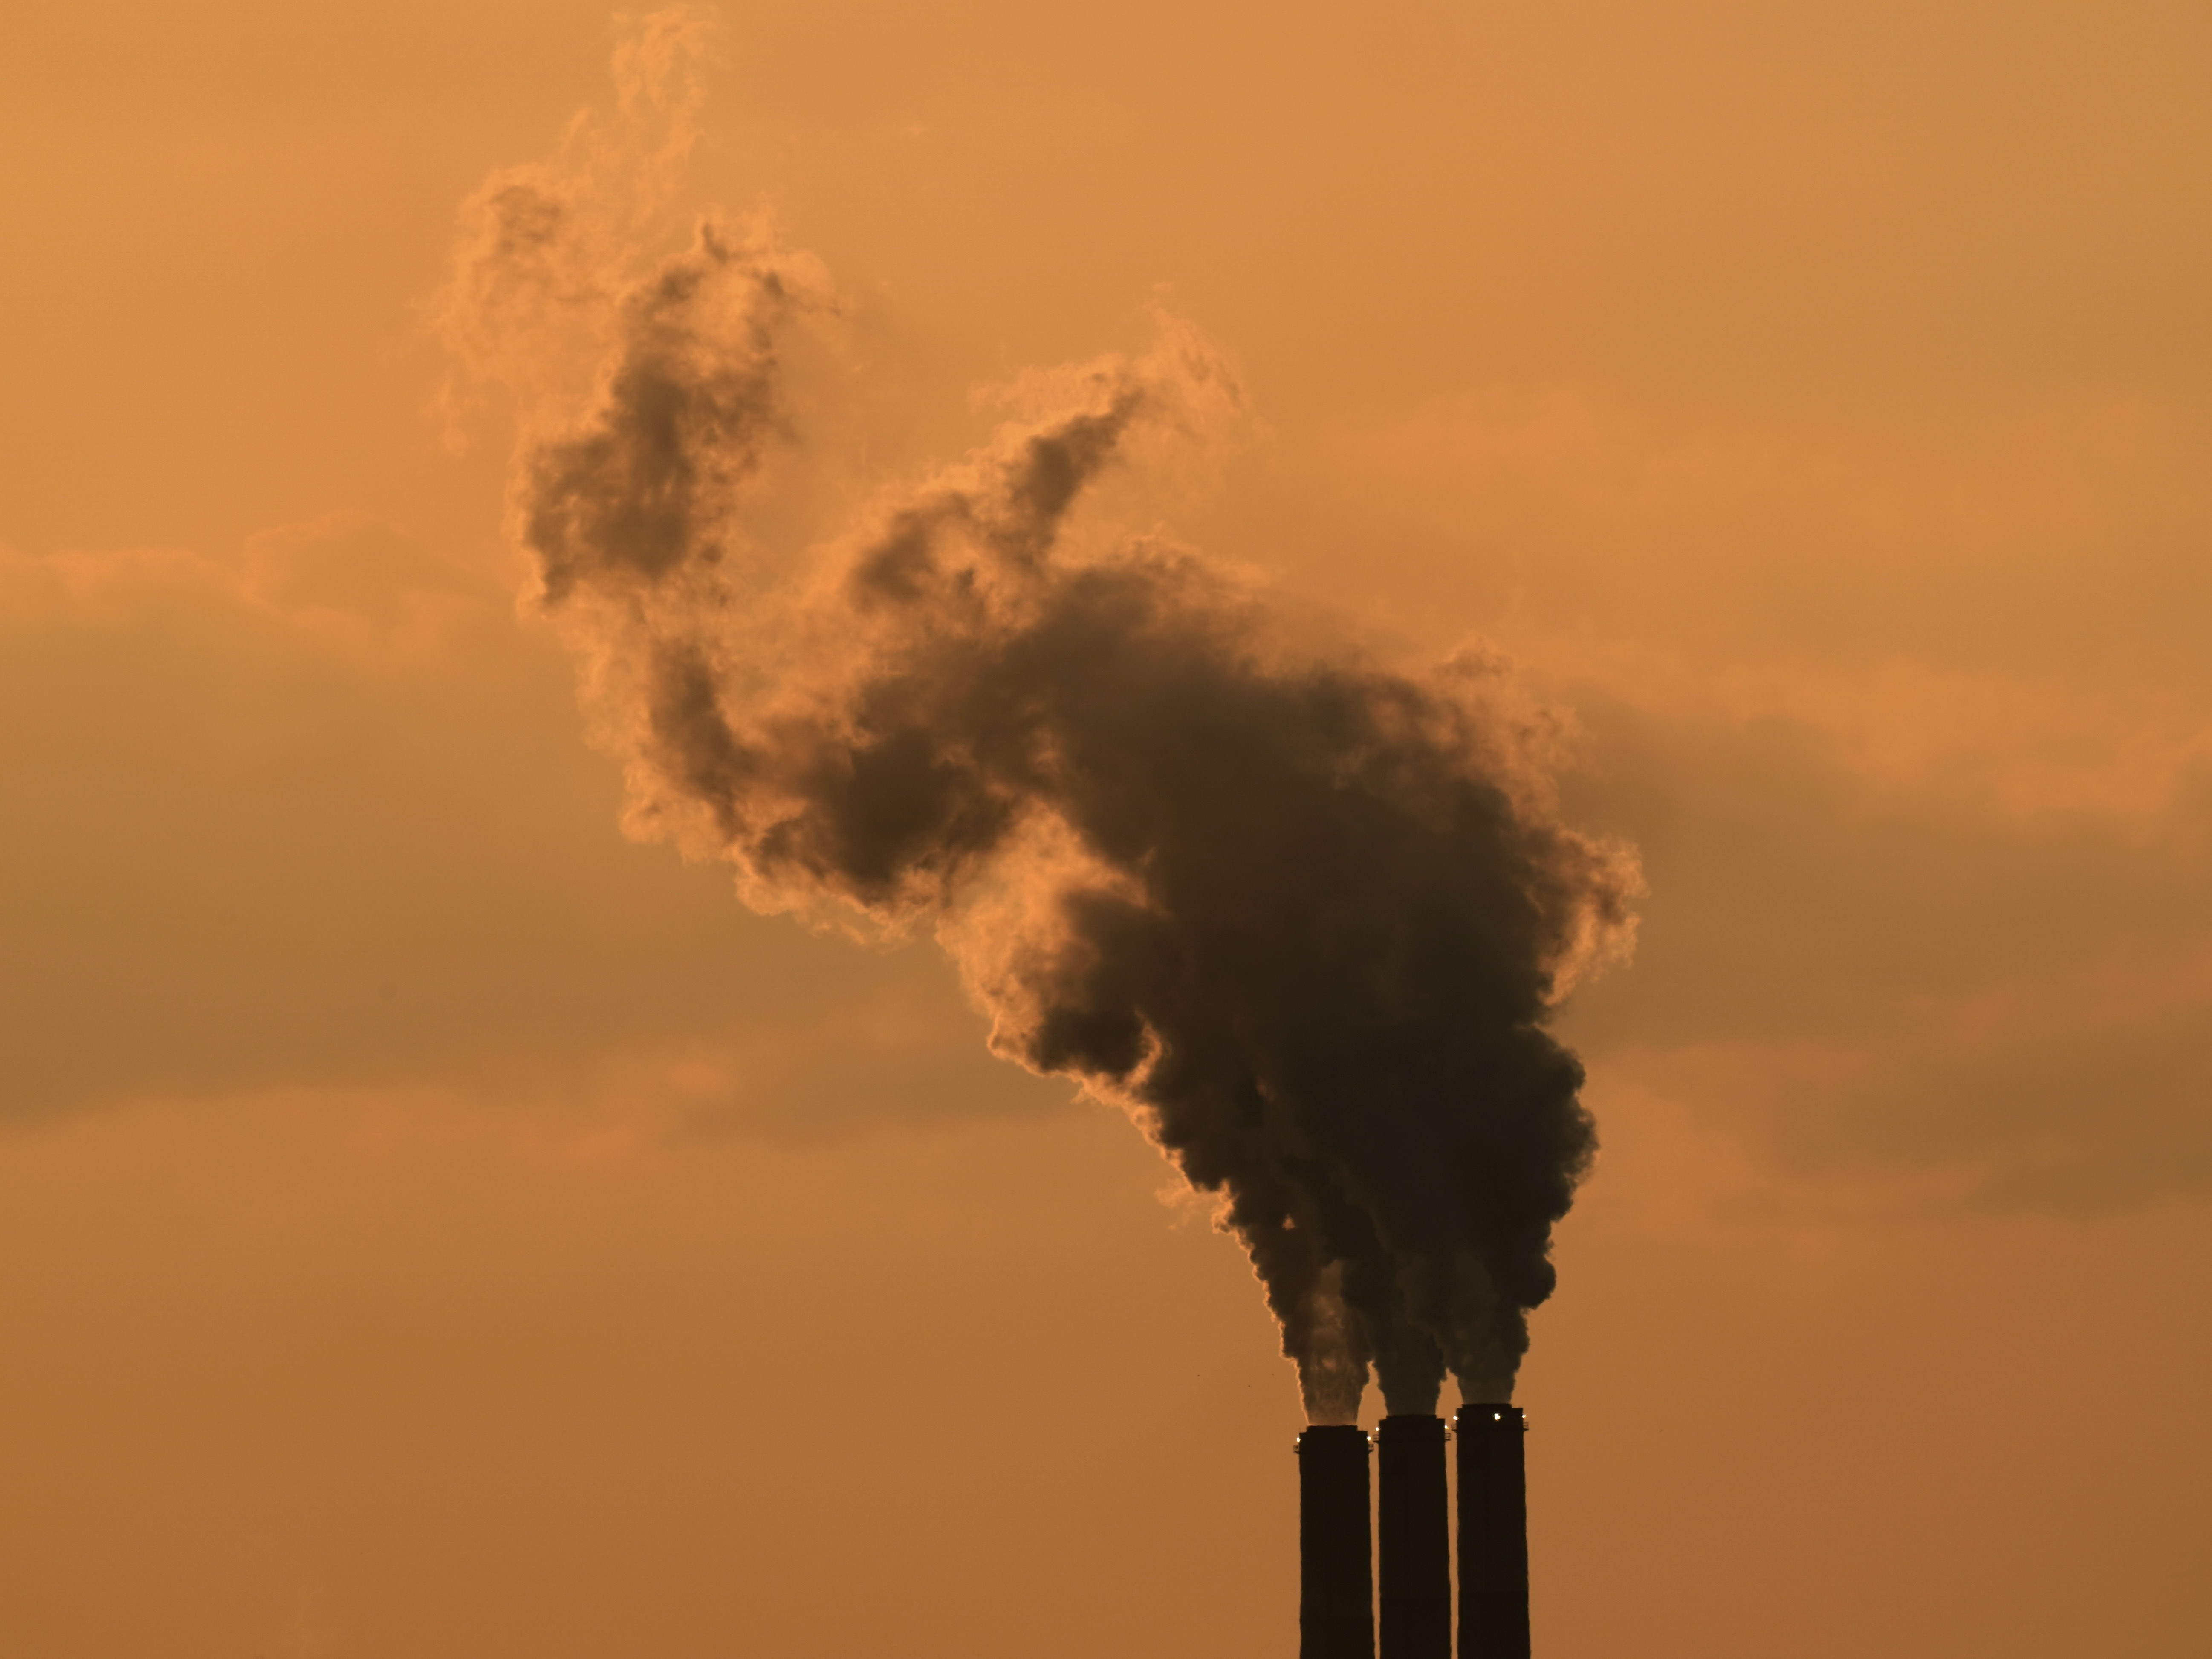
(1415, 1514)
(1336, 1578)
(1494, 1533)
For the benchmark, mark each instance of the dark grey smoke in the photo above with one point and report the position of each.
(1305, 916)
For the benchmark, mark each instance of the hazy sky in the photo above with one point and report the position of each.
(433, 1224)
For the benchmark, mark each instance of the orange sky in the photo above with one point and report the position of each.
(432, 1225)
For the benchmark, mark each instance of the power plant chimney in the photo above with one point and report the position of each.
(1336, 1576)
(1494, 1533)
(1415, 1512)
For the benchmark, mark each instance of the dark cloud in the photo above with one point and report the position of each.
(1307, 918)
(688, 410)
(1910, 983)
(322, 847)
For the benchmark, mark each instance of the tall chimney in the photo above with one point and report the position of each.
(1415, 1551)
(1336, 1575)
(1494, 1533)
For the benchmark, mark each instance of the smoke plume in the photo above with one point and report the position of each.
(1302, 915)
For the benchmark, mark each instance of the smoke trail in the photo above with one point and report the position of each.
(1303, 916)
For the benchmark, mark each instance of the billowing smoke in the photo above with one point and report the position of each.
(1303, 916)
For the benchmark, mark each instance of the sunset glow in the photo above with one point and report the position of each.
(488, 1167)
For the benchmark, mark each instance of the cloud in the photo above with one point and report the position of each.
(1906, 984)
(317, 817)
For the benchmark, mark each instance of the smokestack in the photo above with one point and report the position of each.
(1494, 1533)
(1336, 1578)
(1416, 1538)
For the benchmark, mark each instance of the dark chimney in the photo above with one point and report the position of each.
(1415, 1512)
(1494, 1533)
(1336, 1575)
